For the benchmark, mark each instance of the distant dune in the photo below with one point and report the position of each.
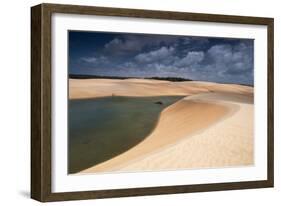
(90, 88)
(211, 127)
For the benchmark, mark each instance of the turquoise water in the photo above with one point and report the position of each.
(101, 128)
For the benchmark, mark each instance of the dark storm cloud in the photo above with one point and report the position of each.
(140, 55)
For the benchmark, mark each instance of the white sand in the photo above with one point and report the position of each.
(88, 88)
(227, 143)
(213, 127)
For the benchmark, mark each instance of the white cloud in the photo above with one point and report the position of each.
(158, 67)
(89, 59)
(225, 62)
(226, 59)
(190, 59)
(221, 53)
(155, 55)
(121, 45)
(113, 43)
(133, 43)
(95, 60)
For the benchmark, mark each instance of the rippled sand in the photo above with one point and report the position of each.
(211, 127)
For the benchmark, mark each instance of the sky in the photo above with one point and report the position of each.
(221, 60)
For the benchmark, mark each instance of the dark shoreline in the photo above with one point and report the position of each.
(85, 76)
(171, 79)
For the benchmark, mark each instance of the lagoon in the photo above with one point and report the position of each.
(102, 128)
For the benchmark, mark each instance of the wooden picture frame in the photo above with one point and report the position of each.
(41, 97)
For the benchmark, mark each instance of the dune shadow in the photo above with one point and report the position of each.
(102, 128)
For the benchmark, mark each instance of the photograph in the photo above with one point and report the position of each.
(140, 102)
(132, 102)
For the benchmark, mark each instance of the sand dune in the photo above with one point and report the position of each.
(206, 130)
(211, 127)
(182, 118)
(227, 143)
(89, 88)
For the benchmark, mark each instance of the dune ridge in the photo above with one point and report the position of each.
(228, 143)
(182, 113)
(211, 127)
(89, 88)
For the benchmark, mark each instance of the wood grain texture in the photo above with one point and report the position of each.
(270, 102)
(41, 101)
(36, 58)
(107, 11)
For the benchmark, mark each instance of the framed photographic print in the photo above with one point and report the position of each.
(132, 102)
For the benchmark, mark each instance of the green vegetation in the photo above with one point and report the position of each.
(86, 76)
